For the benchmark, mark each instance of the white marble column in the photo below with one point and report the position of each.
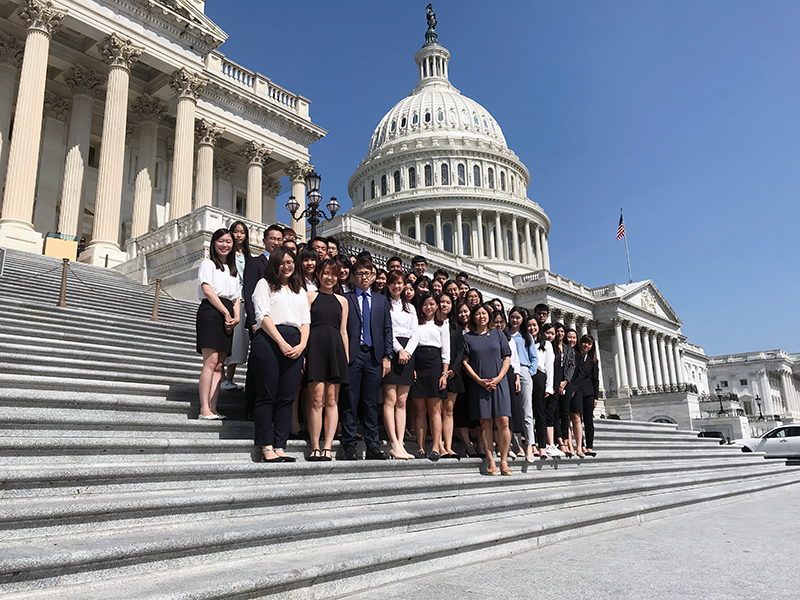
(662, 354)
(529, 255)
(673, 378)
(479, 227)
(10, 61)
(648, 357)
(640, 364)
(498, 237)
(149, 112)
(766, 393)
(397, 226)
(297, 172)
(256, 155)
(537, 244)
(187, 87)
(515, 246)
(459, 249)
(85, 85)
(207, 135)
(630, 357)
(582, 326)
(417, 226)
(653, 337)
(272, 187)
(120, 54)
(16, 226)
(437, 215)
(546, 247)
(596, 336)
(622, 375)
(680, 375)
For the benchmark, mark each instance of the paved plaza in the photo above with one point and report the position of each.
(740, 549)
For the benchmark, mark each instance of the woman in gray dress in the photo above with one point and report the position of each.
(487, 357)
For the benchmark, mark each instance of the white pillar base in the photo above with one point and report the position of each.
(96, 255)
(20, 235)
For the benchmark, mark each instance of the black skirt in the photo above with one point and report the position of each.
(210, 327)
(428, 362)
(400, 374)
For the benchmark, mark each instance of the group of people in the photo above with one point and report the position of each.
(333, 338)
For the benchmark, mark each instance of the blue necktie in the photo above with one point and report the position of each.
(365, 321)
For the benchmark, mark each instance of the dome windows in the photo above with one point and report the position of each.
(453, 118)
(485, 124)
(427, 117)
(475, 118)
(412, 177)
(490, 175)
(397, 186)
(440, 116)
(476, 176)
(384, 186)
(447, 235)
(445, 174)
(466, 238)
(403, 123)
(503, 180)
(430, 236)
(415, 119)
(394, 126)
(372, 191)
(428, 176)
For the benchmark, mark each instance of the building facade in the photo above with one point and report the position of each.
(119, 117)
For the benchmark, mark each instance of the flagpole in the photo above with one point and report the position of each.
(627, 254)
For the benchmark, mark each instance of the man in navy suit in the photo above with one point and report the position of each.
(253, 271)
(369, 331)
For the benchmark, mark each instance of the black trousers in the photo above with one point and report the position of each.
(250, 391)
(362, 400)
(588, 421)
(276, 378)
(562, 423)
(539, 409)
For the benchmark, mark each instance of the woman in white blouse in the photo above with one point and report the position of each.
(399, 379)
(217, 317)
(542, 383)
(284, 318)
(432, 362)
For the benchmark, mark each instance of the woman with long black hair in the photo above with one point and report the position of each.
(528, 360)
(587, 389)
(283, 317)
(308, 260)
(455, 384)
(461, 415)
(542, 383)
(563, 371)
(241, 341)
(217, 317)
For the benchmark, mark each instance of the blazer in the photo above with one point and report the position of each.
(586, 379)
(380, 325)
(568, 371)
(253, 271)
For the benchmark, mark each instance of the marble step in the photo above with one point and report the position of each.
(164, 551)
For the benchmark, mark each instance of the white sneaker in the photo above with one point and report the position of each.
(229, 386)
(554, 451)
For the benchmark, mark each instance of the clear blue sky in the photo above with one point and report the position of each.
(685, 114)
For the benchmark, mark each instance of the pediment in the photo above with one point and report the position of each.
(188, 13)
(645, 296)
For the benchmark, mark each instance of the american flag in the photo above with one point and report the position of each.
(621, 228)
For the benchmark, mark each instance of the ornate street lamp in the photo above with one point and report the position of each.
(719, 397)
(758, 403)
(313, 213)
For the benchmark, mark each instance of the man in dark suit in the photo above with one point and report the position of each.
(369, 332)
(253, 271)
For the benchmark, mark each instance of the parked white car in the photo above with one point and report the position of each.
(781, 442)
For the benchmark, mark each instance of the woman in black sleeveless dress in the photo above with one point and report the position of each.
(326, 357)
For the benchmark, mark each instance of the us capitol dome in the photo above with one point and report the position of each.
(438, 170)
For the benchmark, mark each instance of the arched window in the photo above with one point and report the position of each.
(503, 180)
(412, 177)
(428, 176)
(372, 191)
(466, 239)
(447, 234)
(462, 175)
(412, 232)
(427, 117)
(445, 175)
(430, 237)
(490, 174)
(397, 186)
(384, 187)
(476, 176)
(415, 119)
(403, 122)
(509, 245)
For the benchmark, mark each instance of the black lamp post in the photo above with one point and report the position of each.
(758, 403)
(314, 213)
(719, 397)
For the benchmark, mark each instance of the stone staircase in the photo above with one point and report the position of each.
(112, 488)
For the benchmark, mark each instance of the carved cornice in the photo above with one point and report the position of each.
(84, 81)
(40, 15)
(148, 108)
(207, 133)
(617, 322)
(272, 187)
(297, 171)
(11, 51)
(224, 169)
(56, 107)
(255, 153)
(186, 84)
(119, 52)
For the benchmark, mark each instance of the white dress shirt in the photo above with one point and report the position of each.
(404, 325)
(438, 336)
(284, 307)
(222, 282)
(514, 357)
(547, 359)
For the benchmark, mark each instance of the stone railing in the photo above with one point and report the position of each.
(749, 357)
(256, 83)
(652, 390)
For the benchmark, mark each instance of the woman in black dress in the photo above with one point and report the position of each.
(326, 357)
(487, 357)
(587, 389)
(461, 415)
(455, 384)
(563, 371)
